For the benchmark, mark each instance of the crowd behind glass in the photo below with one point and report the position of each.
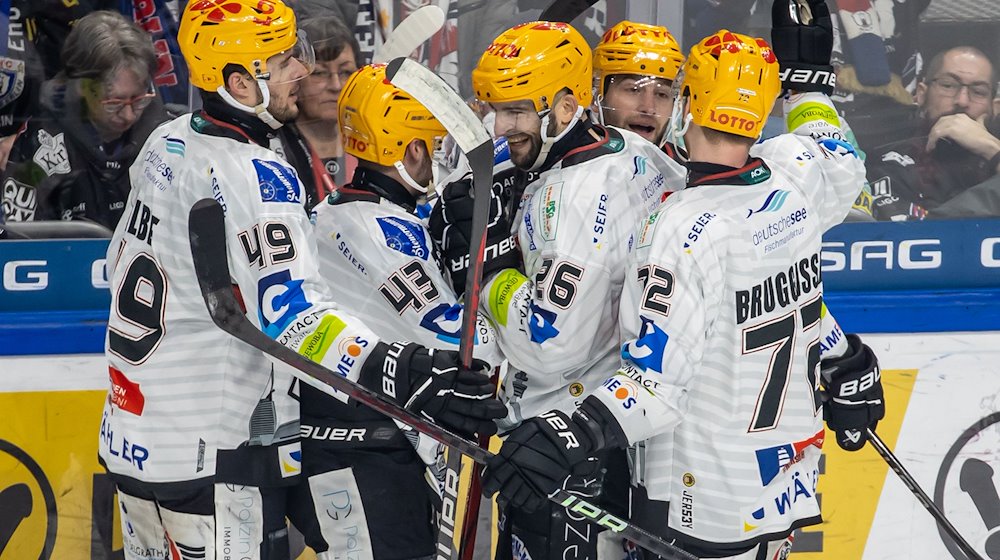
(81, 88)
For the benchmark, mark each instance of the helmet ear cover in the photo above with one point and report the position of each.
(535, 61)
(732, 82)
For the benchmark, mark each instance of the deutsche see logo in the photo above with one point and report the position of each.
(28, 517)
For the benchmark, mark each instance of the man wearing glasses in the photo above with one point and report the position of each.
(911, 178)
(71, 162)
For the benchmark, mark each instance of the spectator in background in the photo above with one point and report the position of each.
(910, 178)
(72, 161)
(313, 142)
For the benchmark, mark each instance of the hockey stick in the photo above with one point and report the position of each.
(565, 10)
(921, 496)
(207, 229)
(412, 32)
(470, 135)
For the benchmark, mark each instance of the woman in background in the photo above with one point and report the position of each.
(314, 138)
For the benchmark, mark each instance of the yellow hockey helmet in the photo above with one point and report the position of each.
(534, 61)
(378, 120)
(636, 48)
(732, 82)
(214, 33)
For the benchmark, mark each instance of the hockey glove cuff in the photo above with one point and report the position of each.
(854, 398)
(451, 227)
(433, 384)
(802, 40)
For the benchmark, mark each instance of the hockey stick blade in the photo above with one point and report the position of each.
(444, 103)
(441, 100)
(565, 11)
(922, 497)
(206, 226)
(412, 32)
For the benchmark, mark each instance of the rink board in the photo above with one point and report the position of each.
(938, 387)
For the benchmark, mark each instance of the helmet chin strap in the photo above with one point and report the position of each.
(599, 101)
(680, 121)
(259, 110)
(409, 180)
(548, 142)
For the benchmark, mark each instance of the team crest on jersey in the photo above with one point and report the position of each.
(11, 79)
(51, 154)
(647, 350)
(277, 183)
(404, 236)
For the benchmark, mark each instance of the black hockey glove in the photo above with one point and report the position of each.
(538, 456)
(803, 42)
(433, 384)
(451, 226)
(854, 402)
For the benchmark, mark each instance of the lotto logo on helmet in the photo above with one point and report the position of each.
(732, 121)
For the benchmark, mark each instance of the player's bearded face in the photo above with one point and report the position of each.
(283, 86)
(641, 104)
(518, 121)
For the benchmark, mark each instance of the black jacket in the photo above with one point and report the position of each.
(59, 169)
(908, 182)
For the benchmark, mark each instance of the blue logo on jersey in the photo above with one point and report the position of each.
(445, 321)
(541, 324)
(772, 460)
(277, 182)
(772, 203)
(647, 351)
(279, 301)
(838, 147)
(501, 151)
(404, 236)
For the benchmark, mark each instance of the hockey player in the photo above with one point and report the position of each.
(200, 432)
(721, 315)
(379, 254)
(557, 321)
(634, 67)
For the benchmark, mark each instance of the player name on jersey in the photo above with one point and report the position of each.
(779, 290)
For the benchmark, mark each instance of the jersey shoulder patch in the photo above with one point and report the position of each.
(405, 236)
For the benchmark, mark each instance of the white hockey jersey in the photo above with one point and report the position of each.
(382, 260)
(721, 318)
(181, 388)
(558, 323)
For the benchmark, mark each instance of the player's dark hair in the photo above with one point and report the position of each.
(717, 137)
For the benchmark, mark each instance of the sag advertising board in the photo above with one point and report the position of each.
(926, 293)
